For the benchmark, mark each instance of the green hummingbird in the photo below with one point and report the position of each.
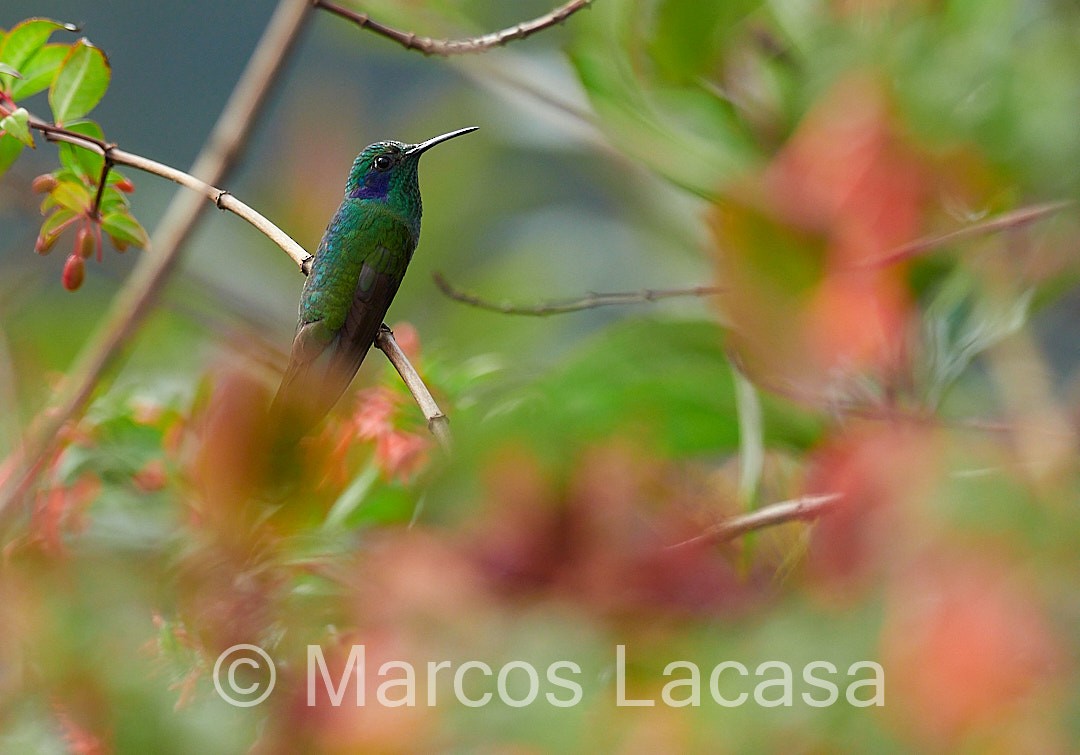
(354, 276)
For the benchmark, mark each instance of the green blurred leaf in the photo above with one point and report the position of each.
(667, 383)
(685, 133)
(48, 204)
(10, 149)
(388, 503)
(7, 70)
(82, 161)
(122, 227)
(81, 83)
(54, 223)
(39, 71)
(23, 42)
(74, 196)
(16, 125)
(115, 177)
(689, 35)
(113, 200)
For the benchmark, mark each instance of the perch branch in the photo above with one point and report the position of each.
(137, 297)
(437, 422)
(448, 47)
(219, 197)
(589, 301)
(798, 509)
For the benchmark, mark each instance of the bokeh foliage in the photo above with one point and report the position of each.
(781, 151)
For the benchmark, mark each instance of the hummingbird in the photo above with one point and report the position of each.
(357, 269)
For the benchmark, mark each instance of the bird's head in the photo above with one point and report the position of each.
(386, 171)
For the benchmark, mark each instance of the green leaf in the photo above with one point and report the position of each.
(9, 71)
(684, 132)
(82, 161)
(689, 35)
(113, 200)
(74, 196)
(125, 229)
(10, 149)
(16, 125)
(668, 383)
(39, 71)
(81, 83)
(23, 42)
(53, 224)
(48, 204)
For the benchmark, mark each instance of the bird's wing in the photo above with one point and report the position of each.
(374, 292)
(323, 361)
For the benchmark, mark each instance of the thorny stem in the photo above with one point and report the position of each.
(448, 47)
(589, 301)
(1014, 219)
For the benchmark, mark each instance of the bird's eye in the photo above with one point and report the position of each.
(382, 162)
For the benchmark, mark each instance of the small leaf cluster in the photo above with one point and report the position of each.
(85, 193)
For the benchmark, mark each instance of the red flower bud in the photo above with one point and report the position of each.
(125, 185)
(74, 272)
(43, 184)
(84, 243)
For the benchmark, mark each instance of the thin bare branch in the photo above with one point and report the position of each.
(448, 47)
(1009, 220)
(437, 422)
(798, 509)
(137, 298)
(589, 301)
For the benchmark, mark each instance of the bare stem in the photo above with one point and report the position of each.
(136, 299)
(1014, 219)
(437, 422)
(798, 509)
(589, 301)
(106, 166)
(448, 47)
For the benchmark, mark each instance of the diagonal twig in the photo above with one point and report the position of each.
(798, 509)
(448, 47)
(589, 301)
(1014, 219)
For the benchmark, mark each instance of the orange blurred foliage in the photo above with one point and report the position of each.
(971, 656)
(882, 471)
(795, 242)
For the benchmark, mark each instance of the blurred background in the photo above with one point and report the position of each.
(783, 152)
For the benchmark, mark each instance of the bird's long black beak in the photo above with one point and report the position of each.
(422, 147)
